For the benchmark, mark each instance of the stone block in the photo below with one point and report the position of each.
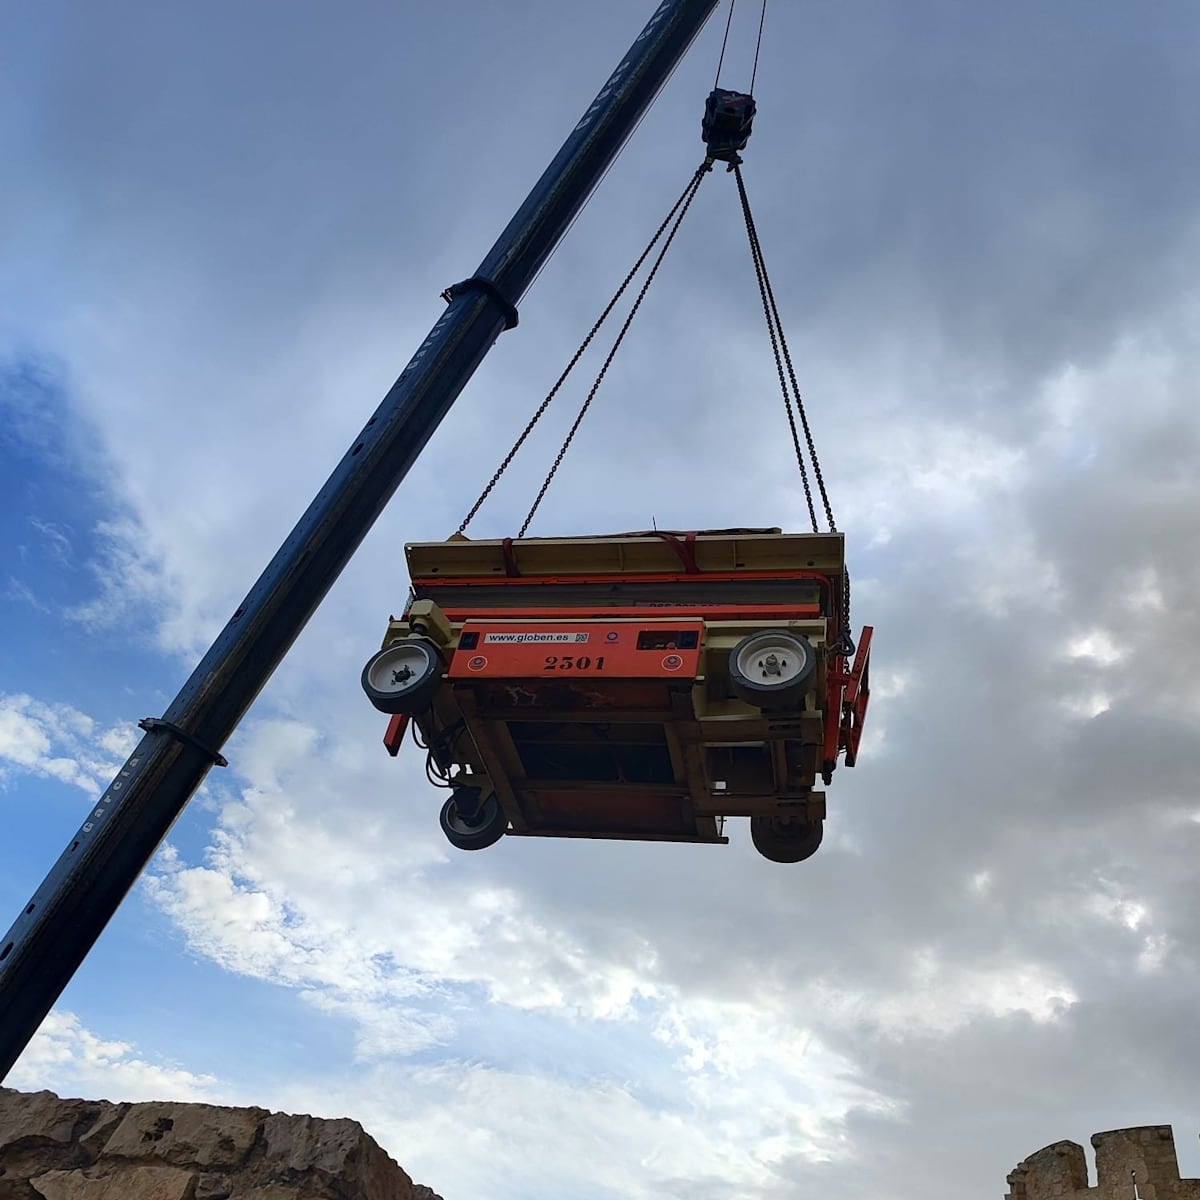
(39, 1116)
(1056, 1170)
(186, 1135)
(129, 1183)
(95, 1137)
(214, 1186)
(337, 1154)
(1147, 1150)
(39, 1131)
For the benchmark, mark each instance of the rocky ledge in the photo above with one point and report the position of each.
(52, 1149)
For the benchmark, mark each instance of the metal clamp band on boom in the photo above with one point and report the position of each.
(479, 283)
(158, 725)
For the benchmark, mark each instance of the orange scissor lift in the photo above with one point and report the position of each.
(640, 686)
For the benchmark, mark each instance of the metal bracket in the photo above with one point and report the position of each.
(477, 283)
(158, 725)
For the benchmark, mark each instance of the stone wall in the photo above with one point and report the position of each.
(1144, 1155)
(52, 1149)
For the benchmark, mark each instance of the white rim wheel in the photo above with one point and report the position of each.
(772, 668)
(402, 677)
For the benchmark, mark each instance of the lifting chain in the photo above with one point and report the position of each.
(779, 348)
(688, 196)
(676, 215)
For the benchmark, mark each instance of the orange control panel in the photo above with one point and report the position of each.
(590, 649)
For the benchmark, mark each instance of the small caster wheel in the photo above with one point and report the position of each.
(470, 824)
(772, 669)
(786, 841)
(403, 677)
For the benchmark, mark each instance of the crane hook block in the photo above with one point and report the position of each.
(725, 129)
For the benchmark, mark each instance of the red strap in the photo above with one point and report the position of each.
(686, 550)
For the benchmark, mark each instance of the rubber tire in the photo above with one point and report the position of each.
(488, 828)
(415, 698)
(761, 695)
(786, 841)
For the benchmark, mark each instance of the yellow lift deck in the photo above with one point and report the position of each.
(640, 686)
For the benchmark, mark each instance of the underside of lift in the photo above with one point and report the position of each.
(640, 686)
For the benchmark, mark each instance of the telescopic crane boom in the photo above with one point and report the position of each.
(59, 925)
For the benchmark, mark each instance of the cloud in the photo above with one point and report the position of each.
(128, 582)
(55, 538)
(70, 1059)
(59, 742)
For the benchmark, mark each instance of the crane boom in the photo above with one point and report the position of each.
(68, 912)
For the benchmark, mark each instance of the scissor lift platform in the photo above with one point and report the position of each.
(640, 686)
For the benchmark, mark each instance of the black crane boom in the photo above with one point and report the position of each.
(68, 912)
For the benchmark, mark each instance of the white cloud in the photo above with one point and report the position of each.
(1113, 904)
(598, 1140)
(55, 539)
(57, 741)
(66, 1057)
(1096, 645)
(934, 997)
(1088, 704)
(1155, 953)
(981, 883)
(128, 577)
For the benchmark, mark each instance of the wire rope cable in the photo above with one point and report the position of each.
(762, 18)
(724, 43)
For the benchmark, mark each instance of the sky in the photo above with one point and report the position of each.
(224, 229)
